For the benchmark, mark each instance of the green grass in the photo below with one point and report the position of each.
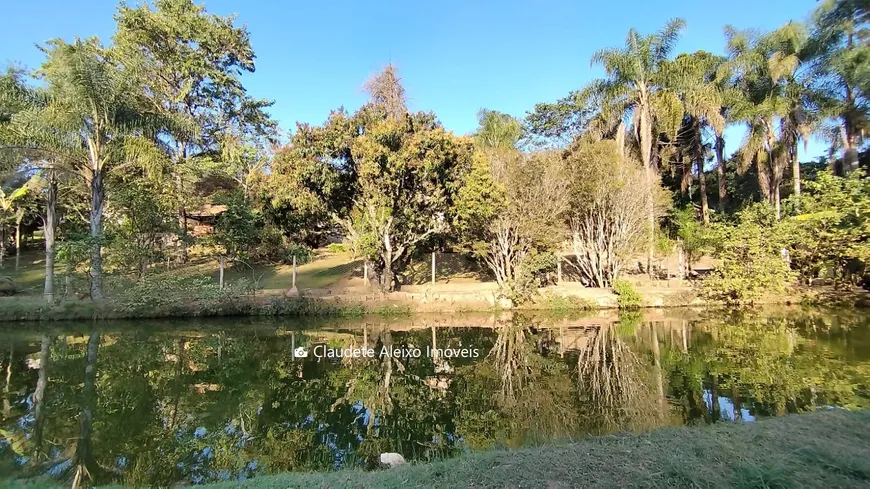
(821, 449)
(326, 270)
(28, 271)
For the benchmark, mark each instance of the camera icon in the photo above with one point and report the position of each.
(300, 352)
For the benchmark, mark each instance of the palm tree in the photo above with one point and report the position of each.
(693, 78)
(839, 65)
(773, 103)
(633, 88)
(497, 130)
(88, 118)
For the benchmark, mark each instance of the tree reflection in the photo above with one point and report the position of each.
(162, 407)
(613, 383)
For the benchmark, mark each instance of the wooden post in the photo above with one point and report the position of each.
(433, 268)
(558, 269)
(682, 271)
(294, 271)
(366, 272)
(223, 262)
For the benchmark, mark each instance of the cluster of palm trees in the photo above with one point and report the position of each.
(782, 86)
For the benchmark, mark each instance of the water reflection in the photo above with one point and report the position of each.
(164, 403)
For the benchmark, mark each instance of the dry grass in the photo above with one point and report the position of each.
(823, 449)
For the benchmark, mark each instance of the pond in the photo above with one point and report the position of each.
(169, 402)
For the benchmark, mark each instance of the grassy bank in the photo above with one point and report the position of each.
(28, 309)
(822, 449)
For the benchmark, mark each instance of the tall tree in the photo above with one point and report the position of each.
(839, 50)
(693, 78)
(190, 65)
(408, 172)
(774, 104)
(633, 87)
(91, 119)
(385, 90)
(497, 130)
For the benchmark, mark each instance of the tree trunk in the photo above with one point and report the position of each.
(795, 171)
(39, 396)
(223, 263)
(96, 218)
(182, 220)
(660, 388)
(735, 400)
(387, 275)
(49, 231)
(715, 410)
(850, 139)
(17, 238)
(85, 467)
(7, 405)
(720, 170)
(850, 148)
(702, 179)
(702, 184)
(645, 137)
(182, 211)
(777, 202)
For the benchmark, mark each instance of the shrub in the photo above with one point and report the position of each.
(694, 236)
(531, 275)
(557, 303)
(627, 296)
(303, 253)
(828, 229)
(170, 294)
(336, 248)
(752, 261)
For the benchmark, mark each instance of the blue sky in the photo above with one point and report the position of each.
(454, 56)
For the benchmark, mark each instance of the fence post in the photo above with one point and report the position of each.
(294, 271)
(366, 272)
(559, 269)
(682, 272)
(433, 268)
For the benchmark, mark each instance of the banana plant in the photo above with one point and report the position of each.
(9, 212)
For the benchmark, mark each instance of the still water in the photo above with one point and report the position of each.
(169, 402)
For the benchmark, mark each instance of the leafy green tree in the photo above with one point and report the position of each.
(11, 212)
(237, 231)
(558, 123)
(775, 103)
(497, 130)
(408, 171)
(313, 178)
(510, 219)
(143, 213)
(694, 237)
(831, 233)
(693, 77)
(752, 254)
(190, 63)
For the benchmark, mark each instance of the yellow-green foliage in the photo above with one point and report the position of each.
(627, 296)
(752, 258)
